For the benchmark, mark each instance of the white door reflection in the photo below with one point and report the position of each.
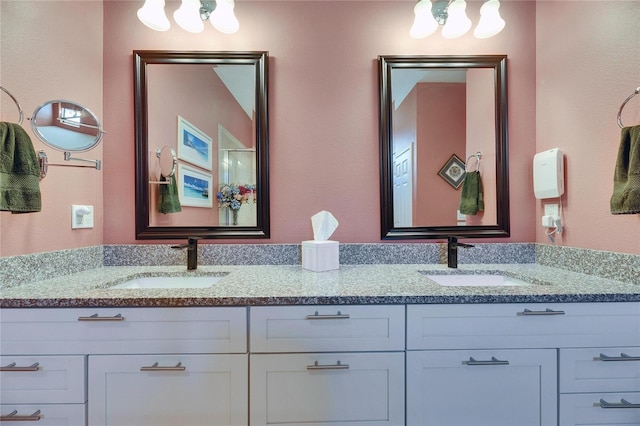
(237, 166)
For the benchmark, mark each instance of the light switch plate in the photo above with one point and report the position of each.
(81, 216)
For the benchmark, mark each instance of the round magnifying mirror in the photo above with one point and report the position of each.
(168, 161)
(66, 126)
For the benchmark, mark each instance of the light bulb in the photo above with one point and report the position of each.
(223, 18)
(188, 16)
(424, 23)
(457, 23)
(491, 23)
(152, 15)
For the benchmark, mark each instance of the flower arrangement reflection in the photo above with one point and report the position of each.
(234, 196)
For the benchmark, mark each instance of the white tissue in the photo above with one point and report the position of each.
(324, 224)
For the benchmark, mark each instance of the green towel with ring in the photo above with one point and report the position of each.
(19, 171)
(626, 179)
(471, 198)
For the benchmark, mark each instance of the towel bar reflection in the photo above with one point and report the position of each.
(478, 157)
(43, 161)
(623, 104)
(16, 102)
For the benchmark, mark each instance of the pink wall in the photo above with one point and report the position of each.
(53, 50)
(566, 83)
(588, 62)
(441, 133)
(323, 104)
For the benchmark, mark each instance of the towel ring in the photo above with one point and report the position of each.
(478, 157)
(16, 102)
(623, 104)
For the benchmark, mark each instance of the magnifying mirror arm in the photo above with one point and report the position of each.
(43, 160)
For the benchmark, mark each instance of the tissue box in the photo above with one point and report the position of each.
(320, 256)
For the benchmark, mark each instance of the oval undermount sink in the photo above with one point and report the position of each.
(169, 282)
(476, 280)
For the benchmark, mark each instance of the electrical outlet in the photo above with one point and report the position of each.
(552, 210)
(81, 216)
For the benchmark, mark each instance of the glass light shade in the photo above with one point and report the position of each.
(188, 16)
(457, 23)
(491, 23)
(424, 23)
(223, 19)
(152, 15)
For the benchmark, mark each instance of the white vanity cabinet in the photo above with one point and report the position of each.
(49, 390)
(457, 372)
(600, 386)
(327, 365)
(142, 366)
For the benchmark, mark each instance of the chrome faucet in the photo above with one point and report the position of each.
(192, 252)
(452, 251)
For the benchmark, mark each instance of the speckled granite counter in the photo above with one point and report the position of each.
(290, 284)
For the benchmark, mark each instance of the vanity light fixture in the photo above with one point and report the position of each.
(451, 14)
(191, 15)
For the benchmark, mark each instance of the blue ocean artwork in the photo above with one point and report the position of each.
(192, 141)
(195, 188)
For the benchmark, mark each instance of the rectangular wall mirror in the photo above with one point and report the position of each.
(201, 144)
(438, 115)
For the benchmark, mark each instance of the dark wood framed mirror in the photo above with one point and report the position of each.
(211, 109)
(436, 114)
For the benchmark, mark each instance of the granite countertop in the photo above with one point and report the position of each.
(281, 285)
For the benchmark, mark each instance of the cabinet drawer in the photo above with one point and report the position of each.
(327, 328)
(42, 379)
(523, 325)
(123, 330)
(44, 414)
(600, 370)
(327, 389)
(168, 390)
(586, 409)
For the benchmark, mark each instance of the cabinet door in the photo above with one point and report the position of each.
(604, 409)
(327, 389)
(180, 390)
(482, 388)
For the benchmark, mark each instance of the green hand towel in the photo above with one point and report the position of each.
(168, 201)
(19, 171)
(471, 198)
(626, 180)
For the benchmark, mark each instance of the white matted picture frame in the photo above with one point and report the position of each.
(453, 171)
(195, 187)
(194, 146)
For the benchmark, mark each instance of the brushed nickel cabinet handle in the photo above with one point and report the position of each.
(15, 417)
(156, 367)
(337, 366)
(317, 316)
(13, 367)
(492, 361)
(95, 317)
(622, 404)
(547, 311)
(622, 357)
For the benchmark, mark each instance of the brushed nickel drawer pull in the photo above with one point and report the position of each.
(622, 357)
(317, 316)
(337, 366)
(493, 361)
(622, 404)
(545, 312)
(95, 317)
(14, 367)
(156, 367)
(15, 417)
